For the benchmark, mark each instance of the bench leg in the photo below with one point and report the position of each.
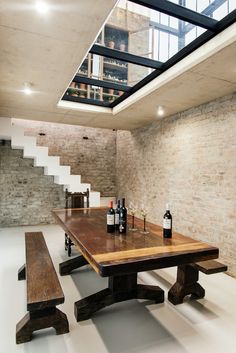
(187, 277)
(66, 242)
(69, 245)
(40, 319)
(66, 267)
(21, 273)
(120, 288)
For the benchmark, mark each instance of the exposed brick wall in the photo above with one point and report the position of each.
(188, 160)
(27, 196)
(93, 158)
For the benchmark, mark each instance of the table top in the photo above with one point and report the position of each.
(114, 254)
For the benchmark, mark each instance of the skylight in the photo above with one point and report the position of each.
(142, 39)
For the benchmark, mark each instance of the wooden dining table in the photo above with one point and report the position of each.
(121, 256)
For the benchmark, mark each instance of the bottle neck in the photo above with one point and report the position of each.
(111, 204)
(123, 202)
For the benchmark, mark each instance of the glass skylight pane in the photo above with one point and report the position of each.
(200, 31)
(91, 92)
(145, 33)
(174, 22)
(117, 71)
(164, 19)
(137, 30)
(215, 9)
(163, 56)
(221, 12)
(128, 29)
(190, 36)
(201, 5)
(231, 5)
(173, 45)
(190, 4)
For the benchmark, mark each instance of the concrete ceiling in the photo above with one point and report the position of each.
(47, 50)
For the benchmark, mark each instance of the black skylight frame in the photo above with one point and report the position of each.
(212, 26)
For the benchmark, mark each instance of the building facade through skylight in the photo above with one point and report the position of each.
(139, 42)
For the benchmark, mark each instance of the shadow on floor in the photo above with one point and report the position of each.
(41, 342)
(163, 279)
(128, 326)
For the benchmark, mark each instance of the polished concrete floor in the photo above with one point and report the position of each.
(135, 326)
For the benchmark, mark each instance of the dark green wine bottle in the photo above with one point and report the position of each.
(123, 218)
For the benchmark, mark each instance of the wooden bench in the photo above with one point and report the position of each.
(44, 291)
(187, 280)
(211, 266)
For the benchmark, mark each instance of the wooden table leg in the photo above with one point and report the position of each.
(120, 288)
(186, 283)
(67, 266)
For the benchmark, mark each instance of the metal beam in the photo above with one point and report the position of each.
(181, 12)
(226, 21)
(207, 11)
(123, 56)
(99, 83)
(86, 101)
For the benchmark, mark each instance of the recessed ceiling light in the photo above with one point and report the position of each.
(160, 111)
(42, 7)
(27, 89)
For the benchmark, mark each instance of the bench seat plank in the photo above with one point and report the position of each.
(43, 287)
(211, 266)
(44, 291)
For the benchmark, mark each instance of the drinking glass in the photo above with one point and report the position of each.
(144, 215)
(132, 210)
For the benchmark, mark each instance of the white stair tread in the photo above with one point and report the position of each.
(41, 158)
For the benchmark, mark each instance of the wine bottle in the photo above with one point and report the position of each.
(167, 223)
(111, 218)
(123, 218)
(117, 215)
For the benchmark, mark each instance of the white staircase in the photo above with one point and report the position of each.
(41, 158)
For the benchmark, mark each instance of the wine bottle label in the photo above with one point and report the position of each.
(117, 218)
(110, 220)
(166, 223)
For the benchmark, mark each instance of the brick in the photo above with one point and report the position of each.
(188, 160)
(27, 195)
